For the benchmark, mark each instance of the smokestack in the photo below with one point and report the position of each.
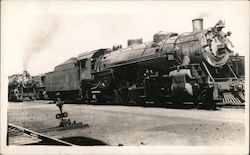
(197, 24)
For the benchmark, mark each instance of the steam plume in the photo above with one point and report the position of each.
(40, 38)
(204, 15)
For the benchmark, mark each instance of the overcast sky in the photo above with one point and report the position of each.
(40, 35)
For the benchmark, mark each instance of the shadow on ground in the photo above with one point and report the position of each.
(165, 105)
(83, 141)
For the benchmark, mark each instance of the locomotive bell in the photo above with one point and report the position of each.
(197, 24)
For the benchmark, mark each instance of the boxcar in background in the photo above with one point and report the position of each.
(238, 65)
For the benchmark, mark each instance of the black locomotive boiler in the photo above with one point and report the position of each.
(149, 72)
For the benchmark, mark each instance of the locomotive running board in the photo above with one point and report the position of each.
(69, 127)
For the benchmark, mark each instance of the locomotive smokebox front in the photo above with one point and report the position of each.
(197, 24)
(211, 45)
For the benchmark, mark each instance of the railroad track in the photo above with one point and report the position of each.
(21, 136)
(188, 105)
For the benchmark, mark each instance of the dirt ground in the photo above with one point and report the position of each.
(135, 125)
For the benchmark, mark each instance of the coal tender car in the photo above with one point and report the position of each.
(173, 67)
(73, 77)
(21, 86)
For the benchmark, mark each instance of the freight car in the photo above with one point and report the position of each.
(21, 86)
(154, 72)
(237, 63)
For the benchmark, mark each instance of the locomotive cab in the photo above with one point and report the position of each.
(85, 65)
(88, 65)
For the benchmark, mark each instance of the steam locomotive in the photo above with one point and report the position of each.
(21, 86)
(153, 72)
